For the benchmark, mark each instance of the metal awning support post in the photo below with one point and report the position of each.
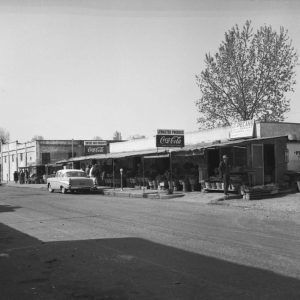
(72, 153)
(113, 166)
(171, 175)
(143, 162)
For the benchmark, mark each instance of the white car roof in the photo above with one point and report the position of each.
(69, 170)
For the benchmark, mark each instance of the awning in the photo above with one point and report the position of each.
(114, 155)
(195, 149)
(157, 156)
(220, 144)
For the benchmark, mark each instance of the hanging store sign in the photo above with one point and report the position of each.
(242, 129)
(95, 147)
(170, 138)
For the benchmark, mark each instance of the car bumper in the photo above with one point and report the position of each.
(80, 188)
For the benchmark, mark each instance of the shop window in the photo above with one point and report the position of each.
(21, 156)
(45, 158)
(13, 158)
(269, 163)
(286, 155)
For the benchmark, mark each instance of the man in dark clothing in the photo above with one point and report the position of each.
(224, 171)
(16, 176)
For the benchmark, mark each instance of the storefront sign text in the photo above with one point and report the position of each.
(95, 147)
(242, 129)
(170, 138)
(170, 131)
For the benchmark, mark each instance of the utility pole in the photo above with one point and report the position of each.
(72, 153)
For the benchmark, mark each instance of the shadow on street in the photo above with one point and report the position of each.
(126, 268)
(8, 208)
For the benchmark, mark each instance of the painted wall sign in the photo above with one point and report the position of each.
(95, 147)
(293, 155)
(170, 138)
(242, 129)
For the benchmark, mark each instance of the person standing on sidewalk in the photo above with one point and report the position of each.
(16, 176)
(22, 177)
(93, 172)
(224, 171)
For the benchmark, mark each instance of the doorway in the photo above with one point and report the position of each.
(213, 161)
(269, 163)
(257, 164)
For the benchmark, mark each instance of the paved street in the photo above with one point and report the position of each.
(83, 246)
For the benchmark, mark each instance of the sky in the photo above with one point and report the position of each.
(85, 68)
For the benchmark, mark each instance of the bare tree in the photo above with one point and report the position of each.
(4, 136)
(136, 137)
(97, 137)
(247, 78)
(117, 136)
(37, 138)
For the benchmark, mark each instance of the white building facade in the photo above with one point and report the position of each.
(35, 155)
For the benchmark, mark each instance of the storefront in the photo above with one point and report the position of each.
(257, 161)
(137, 168)
(258, 154)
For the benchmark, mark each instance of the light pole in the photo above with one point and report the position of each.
(121, 173)
(171, 175)
(72, 153)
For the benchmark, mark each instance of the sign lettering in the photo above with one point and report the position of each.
(95, 143)
(170, 131)
(95, 147)
(170, 141)
(242, 129)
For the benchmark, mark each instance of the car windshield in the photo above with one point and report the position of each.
(75, 174)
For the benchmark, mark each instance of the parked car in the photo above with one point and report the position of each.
(70, 180)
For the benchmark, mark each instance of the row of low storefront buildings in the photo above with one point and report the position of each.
(260, 153)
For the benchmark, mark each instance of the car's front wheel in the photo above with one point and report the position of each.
(50, 189)
(63, 190)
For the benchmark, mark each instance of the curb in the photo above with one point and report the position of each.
(27, 186)
(141, 195)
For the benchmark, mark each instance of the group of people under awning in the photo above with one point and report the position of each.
(94, 172)
(21, 177)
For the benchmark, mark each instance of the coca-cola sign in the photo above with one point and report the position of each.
(95, 147)
(170, 138)
(90, 150)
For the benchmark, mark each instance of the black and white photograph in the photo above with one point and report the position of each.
(149, 149)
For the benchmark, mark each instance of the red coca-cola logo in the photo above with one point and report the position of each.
(171, 140)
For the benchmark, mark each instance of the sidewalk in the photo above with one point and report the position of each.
(140, 193)
(198, 197)
(26, 185)
(285, 203)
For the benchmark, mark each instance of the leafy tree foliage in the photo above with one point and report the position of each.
(4, 136)
(248, 78)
